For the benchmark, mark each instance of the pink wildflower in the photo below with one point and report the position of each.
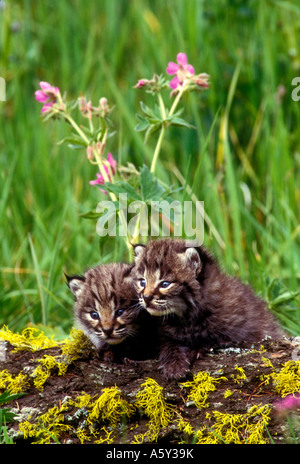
(108, 169)
(112, 162)
(141, 83)
(182, 70)
(48, 95)
(288, 403)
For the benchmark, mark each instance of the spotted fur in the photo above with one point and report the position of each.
(199, 307)
(108, 310)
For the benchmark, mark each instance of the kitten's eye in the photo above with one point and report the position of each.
(143, 283)
(165, 284)
(119, 312)
(94, 315)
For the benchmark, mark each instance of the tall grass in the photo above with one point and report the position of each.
(243, 160)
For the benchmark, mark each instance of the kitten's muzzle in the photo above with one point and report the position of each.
(108, 331)
(110, 337)
(147, 298)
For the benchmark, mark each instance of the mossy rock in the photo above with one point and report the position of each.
(71, 395)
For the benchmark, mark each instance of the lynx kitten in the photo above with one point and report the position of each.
(108, 311)
(198, 306)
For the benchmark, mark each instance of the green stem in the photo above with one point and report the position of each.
(103, 173)
(164, 124)
(157, 148)
(177, 99)
(162, 106)
(77, 128)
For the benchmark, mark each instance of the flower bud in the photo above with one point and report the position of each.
(85, 107)
(90, 152)
(141, 83)
(103, 102)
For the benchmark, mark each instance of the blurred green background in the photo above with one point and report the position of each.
(101, 48)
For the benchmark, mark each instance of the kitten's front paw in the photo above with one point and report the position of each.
(175, 370)
(109, 356)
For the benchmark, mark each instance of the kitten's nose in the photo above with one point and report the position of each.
(107, 331)
(147, 298)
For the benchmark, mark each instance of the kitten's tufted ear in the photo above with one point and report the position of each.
(75, 283)
(138, 250)
(192, 259)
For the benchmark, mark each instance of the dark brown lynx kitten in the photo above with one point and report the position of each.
(200, 306)
(108, 311)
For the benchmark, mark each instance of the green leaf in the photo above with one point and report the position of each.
(122, 187)
(73, 141)
(284, 298)
(181, 122)
(90, 215)
(6, 396)
(146, 181)
(152, 129)
(95, 214)
(142, 125)
(6, 416)
(148, 111)
(150, 187)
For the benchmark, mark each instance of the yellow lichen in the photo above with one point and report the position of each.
(201, 385)
(237, 428)
(17, 384)
(77, 346)
(31, 339)
(240, 376)
(261, 349)
(48, 428)
(83, 401)
(108, 437)
(267, 362)
(47, 365)
(287, 380)
(110, 407)
(228, 393)
(83, 435)
(28, 429)
(185, 427)
(152, 402)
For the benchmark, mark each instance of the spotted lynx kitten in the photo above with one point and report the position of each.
(199, 307)
(108, 311)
